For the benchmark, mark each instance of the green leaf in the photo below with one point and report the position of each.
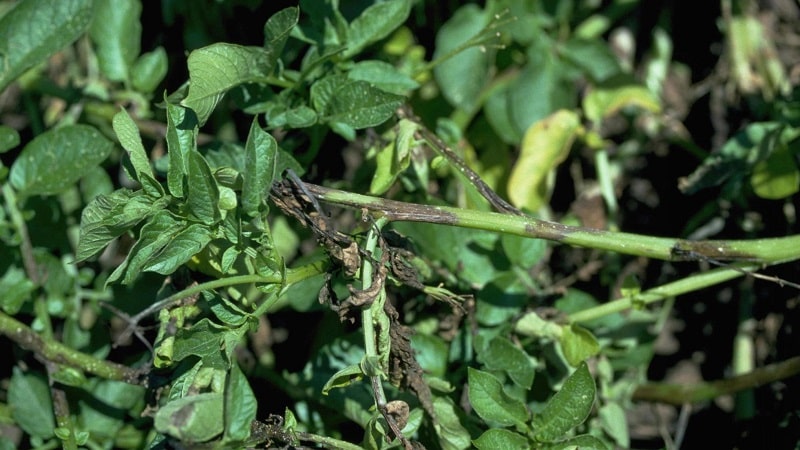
(522, 251)
(545, 145)
(431, 353)
(182, 128)
(613, 421)
(382, 75)
(497, 438)
(619, 92)
(375, 23)
(215, 69)
(149, 70)
(53, 161)
(180, 249)
(116, 34)
(502, 299)
(203, 339)
(594, 57)
(452, 435)
(31, 405)
(154, 236)
(108, 216)
(202, 196)
(353, 103)
(278, 28)
(502, 354)
(491, 402)
(16, 289)
(568, 408)
(462, 77)
(9, 138)
(343, 377)
(261, 153)
(35, 29)
(578, 343)
(776, 177)
(240, 406)
(582, 442)
(111, 402)
(128, 134)
(196, 418)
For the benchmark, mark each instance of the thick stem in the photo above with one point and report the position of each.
(768, 250)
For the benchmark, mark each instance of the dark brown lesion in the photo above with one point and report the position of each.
(710, 251)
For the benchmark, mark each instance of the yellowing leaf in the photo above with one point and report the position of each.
(545, 145)
(776, 177)
(609, 97)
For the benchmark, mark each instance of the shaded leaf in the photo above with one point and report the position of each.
(31, 405)
(182, 130)
(568, 408)
(582, 442)
(116, 33)
(154, 236)
(491, 402)
(353, 103)
(204, 339)
(16, 288)
(149, 70)
(462, 77)
(452, 435)
(545, 145)
(35, 29)
(195, 418)
(56, 159)
(202, 196)
(501, 354)
(215, 69)
(278, 28)
(261, 153)
(179, 250)
(375, 23)
(344, 377)
(382, 75)
(9, 138)
(613, 421)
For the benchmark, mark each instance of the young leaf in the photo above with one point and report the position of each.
(35, 29)
(195, 418)
(343, 377)
(462, 77)
(116, 34)
(215, 69)
(375, 23)
(181, 140)
(31, 405)
(278, 28)
(261, 153)
(577, 343)
(545, 145)
(16, 288)
(490, 401)
(9, 138)
(568, 408)
(202, 196)
(240, 406)
(610, 96)
(128, 134)
(149, 70)
(499, 438)
(56, 159)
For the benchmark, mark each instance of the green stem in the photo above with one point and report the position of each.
(768, 250)
(679, 394)
(327, 441)
(367, 319)
(682, 286)
(52, 350)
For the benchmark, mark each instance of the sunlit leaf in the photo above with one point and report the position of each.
(578, 343)
(195, 418)
(215, 69)
(353, 103)
(179, 250)
(451, 433)
(568, 408)
(16, 288)
(545, 145)
(202, 195)
(9, 138)
(240, 406)
(496, 438)
(116, 33)
(776, 177)
(149, 70)
(492, 403)
(181, 140)
(35, 29)
(56, 159)
(501, 354)
(375, 23)
(609, 97)
(261, 154)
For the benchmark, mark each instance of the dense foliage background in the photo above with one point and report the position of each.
(184, 261)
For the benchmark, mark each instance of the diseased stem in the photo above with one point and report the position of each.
(768, 250)
(56, 352)
(679, 394)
